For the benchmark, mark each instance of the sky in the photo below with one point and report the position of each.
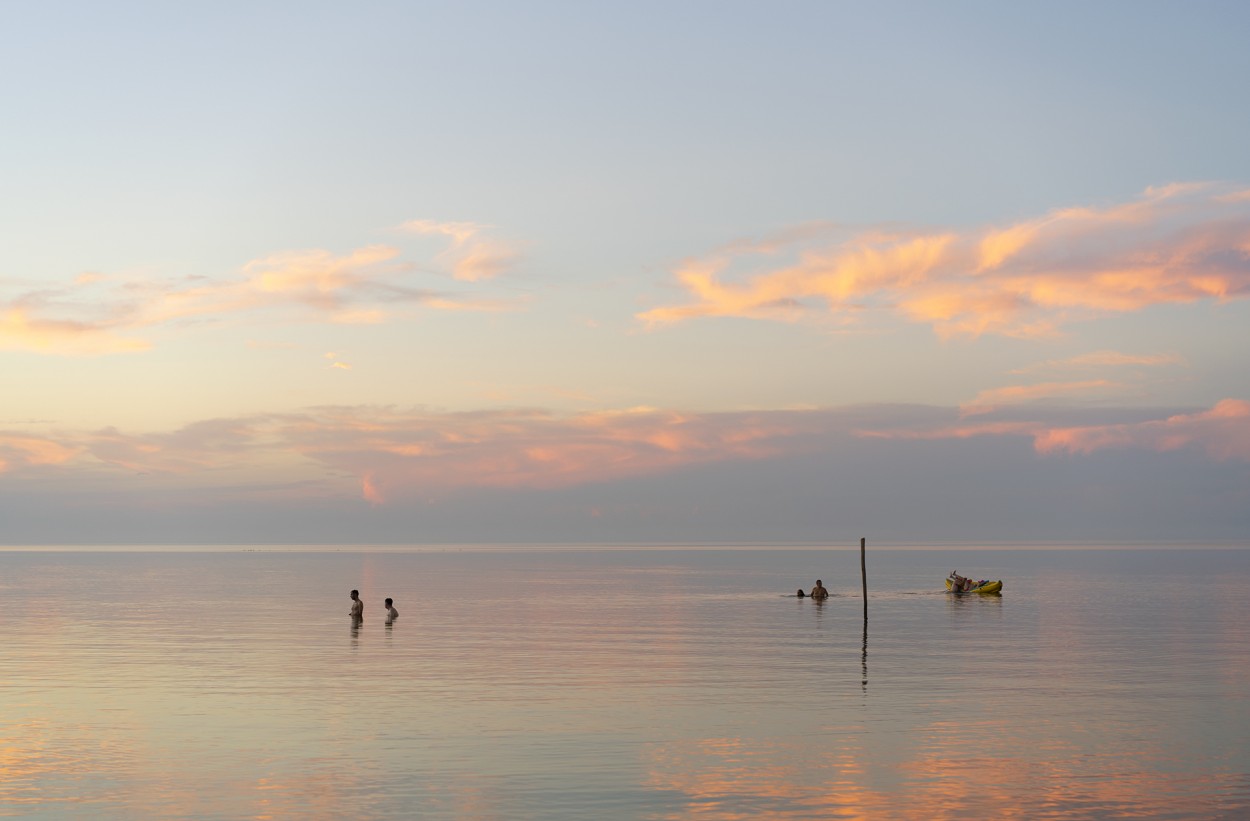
(558, 272)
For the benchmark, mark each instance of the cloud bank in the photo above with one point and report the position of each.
(355, 474)
(400, 453)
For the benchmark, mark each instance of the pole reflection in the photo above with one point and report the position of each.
(863, 659)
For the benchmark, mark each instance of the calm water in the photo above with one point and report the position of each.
(623, 684)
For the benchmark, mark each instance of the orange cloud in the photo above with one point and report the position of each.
(313, 274)
(473, 255)
(839, 277)
(997, 246)
(1175, 244)
(335, 362)
(26, 451)
(19, 331)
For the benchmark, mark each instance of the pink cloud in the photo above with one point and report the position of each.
(323, 285)
(369, 490)
(401, 452)
(1173, 245)
(98, 315)
(389, 455)
(962, 430)
(1104, 359)
(1223, 433)
(396, 453)
(989, 400)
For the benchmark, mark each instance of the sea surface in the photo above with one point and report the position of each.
(530, 683)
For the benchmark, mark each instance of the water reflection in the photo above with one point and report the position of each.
(946, 771)
(864, 657)
(614, 685)
(974, 601)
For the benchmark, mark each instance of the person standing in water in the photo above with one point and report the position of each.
(358, 607)
(391, 612)
(819, 592)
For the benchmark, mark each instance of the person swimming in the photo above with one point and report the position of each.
(801, 594)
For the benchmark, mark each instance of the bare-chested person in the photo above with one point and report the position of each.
(819, 592)
(358, 607)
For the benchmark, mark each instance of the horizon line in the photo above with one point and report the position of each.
(711, 545)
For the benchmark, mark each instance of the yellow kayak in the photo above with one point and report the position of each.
(972, 585)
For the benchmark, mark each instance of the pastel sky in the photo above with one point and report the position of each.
(630, 272)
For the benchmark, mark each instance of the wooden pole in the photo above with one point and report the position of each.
(863, 573)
